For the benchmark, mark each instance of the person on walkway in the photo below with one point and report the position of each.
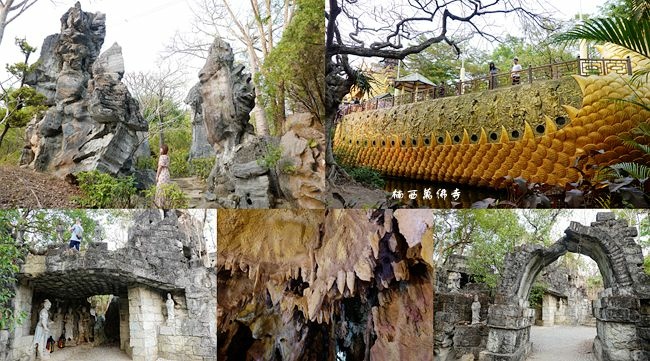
(516, 72)
(162, 176)
(493, 75)
(76, 231)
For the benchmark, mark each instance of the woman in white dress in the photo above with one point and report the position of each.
(162, 176)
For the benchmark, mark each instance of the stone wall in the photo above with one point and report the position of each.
(125, 332)
(145, 315)
(20, 341)
(453, 313)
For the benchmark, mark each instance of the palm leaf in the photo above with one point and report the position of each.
(630, 34)
(634, 144)
(635, 170)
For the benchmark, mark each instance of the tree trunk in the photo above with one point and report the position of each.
(261, 124)
(4, 132)
(4, 12)
(282, 111)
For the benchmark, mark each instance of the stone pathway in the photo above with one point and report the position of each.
(194, 188)
(89, 353)
(562, 343)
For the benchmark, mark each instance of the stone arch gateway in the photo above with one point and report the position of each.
(622, 310)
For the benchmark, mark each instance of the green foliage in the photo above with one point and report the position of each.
(440, 64)
(363, 81)
(286, 166)
(12, 146)
(10, 253)
(171, 196)
(646, 265)
(143, 163)
(533, 54)
(366, 175)
(631, 9)
(271, 157)
(201, 167)
(536, 294)
(179, 141)
(294, 64)
(101, 190)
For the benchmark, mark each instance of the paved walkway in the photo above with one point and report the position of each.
(562, 343)
(89, 353)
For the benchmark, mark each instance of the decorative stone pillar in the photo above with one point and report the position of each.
(145, 315)
(617, 330)
(548, 309)
(509, 335)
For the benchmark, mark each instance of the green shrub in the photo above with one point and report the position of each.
(366, 175)
(201, 167)
(271, 157)
(646, 265)
(178, 164)
(101, 190)
(536, 294)
(143, 163)
(172, 197)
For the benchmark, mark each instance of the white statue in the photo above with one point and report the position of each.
(69, 325)
(476, 311)
(453, 282)
(170, 308)
(42, 331)
(57, 326)
(84, 319)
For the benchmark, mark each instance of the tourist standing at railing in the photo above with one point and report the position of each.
(493, 75)
(516, 72)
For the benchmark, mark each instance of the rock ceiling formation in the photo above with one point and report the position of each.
(306, 284)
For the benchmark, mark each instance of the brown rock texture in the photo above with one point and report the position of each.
(310, 284)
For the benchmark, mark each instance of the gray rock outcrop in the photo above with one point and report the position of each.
(93, 122)
(227, 94)
(200, 147)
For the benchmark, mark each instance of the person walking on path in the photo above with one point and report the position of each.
(516, 72)
(76, 232)
(493, 75)
(162, 176)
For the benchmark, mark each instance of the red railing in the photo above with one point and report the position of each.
(530, 75)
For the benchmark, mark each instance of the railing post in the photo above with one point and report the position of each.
(579, 66)
(629, 65)
(530, 74)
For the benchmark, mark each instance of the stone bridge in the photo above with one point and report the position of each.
(622, 311)
(160, 257)
(536, 131)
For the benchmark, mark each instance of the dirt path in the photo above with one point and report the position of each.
(20, 187)
(562, 343)
(89, 353)
(194, 188)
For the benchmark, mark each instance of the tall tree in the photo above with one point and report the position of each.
(292, 64)
(160, 96)
(10, 10)
(404, 28)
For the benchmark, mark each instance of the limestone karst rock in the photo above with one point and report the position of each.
(301, 169)
(308, 284)
(227, 98)
(93, 123)
(200, 147)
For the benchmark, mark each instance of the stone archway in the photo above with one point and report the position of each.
(622, 311)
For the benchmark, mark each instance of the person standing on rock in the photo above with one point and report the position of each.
(76, 232)
(162, 176)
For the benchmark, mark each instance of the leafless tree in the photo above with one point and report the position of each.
(394, 29)
(256, 27)
(160, 94)
(10, 10)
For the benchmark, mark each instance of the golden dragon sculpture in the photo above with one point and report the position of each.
(543, 153)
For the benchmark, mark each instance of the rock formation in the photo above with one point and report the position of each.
(227, 95)
(301, 169)
(93, 122)
(309, 284)
(200, 148)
